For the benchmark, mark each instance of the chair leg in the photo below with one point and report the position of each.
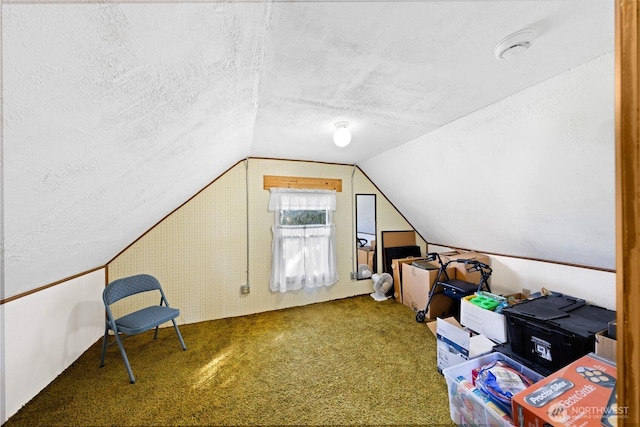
(104, 345)
(124, 357)
(175, 325)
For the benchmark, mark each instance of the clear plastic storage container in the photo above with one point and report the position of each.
(469, 405)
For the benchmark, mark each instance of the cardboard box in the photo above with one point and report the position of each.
(457, 345)
(488, 323)
(606, 346)
(514, 299)
(365, 256)
(416, 284)
(396, 267)
(612, 329)
(582, 393)
(461, 269)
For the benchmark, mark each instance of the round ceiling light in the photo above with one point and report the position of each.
(514, 44)
(342, 135)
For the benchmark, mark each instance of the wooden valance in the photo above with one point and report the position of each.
(271, 181)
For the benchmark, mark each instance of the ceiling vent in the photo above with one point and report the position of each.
(514, 44)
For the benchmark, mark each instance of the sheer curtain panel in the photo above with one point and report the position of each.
(304, 248)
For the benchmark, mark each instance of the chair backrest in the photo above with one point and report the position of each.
(131, 285)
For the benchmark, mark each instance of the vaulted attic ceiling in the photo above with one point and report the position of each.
(104, 104)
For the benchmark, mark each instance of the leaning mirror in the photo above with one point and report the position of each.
(366, 235)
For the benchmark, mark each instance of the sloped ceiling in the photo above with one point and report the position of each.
(116, 113)
(532, 174)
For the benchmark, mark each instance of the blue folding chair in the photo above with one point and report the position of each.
(138, 321)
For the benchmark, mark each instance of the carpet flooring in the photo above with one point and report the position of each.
(353, 361)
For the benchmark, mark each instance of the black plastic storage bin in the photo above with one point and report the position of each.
(507, 351)
(554, 331)
(547, 307)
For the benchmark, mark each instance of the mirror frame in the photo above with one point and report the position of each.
(374, 236)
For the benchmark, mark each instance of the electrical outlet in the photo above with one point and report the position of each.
(526, 291)
(245, 289)
(354, 275)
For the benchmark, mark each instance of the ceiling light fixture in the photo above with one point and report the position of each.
(514, 44)
(342, 135)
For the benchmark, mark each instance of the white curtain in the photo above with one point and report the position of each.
(303, 256)
(293, 199)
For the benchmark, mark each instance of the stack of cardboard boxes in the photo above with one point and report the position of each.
(416, 281)
(414, 278)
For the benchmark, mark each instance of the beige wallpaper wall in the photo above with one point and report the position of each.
(199, 253)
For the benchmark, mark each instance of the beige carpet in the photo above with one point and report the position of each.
(349, 362)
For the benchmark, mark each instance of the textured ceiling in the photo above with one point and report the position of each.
(104, 103)
(398, 70)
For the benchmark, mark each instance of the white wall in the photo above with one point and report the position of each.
(511, 275)
(44, 332)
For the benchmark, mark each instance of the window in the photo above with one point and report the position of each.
(304, 255)
(303, 217)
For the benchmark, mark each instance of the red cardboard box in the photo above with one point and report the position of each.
(582, 393)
